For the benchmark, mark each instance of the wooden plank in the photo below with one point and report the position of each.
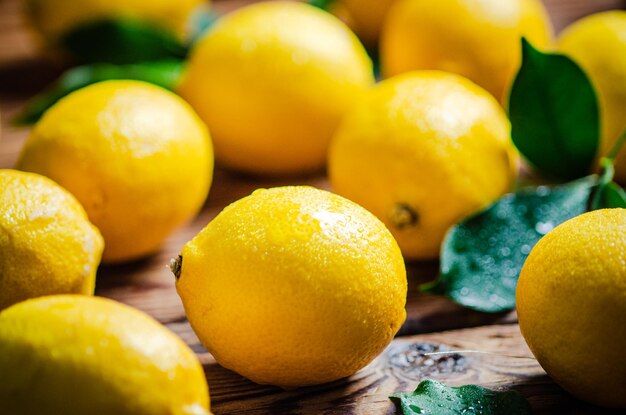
(149, 286)
(400, 368)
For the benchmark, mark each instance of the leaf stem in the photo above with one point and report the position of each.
(617, 146)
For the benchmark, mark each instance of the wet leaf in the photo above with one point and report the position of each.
(554, 114)
(434, 398)
(122, 41)
(482, 256)
(163, 73)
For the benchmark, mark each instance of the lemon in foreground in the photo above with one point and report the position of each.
(480, 40)
(422, 151)
(47, 244)
(571, 303)
(76, 355)
(293, 286)
(55, 18)
(135, 155)
(598, 44)
(272, 80)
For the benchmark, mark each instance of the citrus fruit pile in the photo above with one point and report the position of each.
(289, 286)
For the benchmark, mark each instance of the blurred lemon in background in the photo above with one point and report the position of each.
(571, 303)
(365, 17)
(478, 39)
(135, 155)
(76, 355)
(272, 81)
(55, 18)
(293, 286)
(47, 245)
(598, 44)
(421, 151)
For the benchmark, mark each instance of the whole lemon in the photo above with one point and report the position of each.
(598, 44)
(479, 39)
(47, 244)
(421, 151)
(76, 355)
(293, 286)
(55, 18)
(135, 155)
(272, 81)
(571, 304)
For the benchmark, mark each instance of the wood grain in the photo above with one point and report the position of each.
(400, 368)
(148, 285)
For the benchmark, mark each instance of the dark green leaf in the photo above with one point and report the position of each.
(554, 114)
(481, 257)
(122, 41)
(609, 196)
(163, 73)
(434, 398)
(322, 4)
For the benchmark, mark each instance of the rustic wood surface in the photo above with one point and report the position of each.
(149, 286)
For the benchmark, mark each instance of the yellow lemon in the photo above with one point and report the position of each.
(47, 245)
(598, 44)
(422, 151)
(571, 304)
(293, 286)
(76, 355)
(272, 80)
(366, 18)
(135, 155)
(479, 39)
(55, 18)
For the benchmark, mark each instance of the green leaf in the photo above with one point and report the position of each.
(434, 398)
(122, 41)
(607, 193)
(482, 256)
(554, 114)
(322, 4)
(610, 196)
(163, 73)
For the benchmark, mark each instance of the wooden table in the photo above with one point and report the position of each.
(433, 323)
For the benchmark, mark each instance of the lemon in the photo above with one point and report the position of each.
(366, 18)
(421, 151)
(478, 39)
(598, 44)
(135, 155)
(272, 81)
(55, 18)
(76, 355)
(571, 304)
(47, 244)
(293, 286)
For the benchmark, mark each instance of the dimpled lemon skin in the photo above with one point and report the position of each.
(135, 155)
(478, 39)
(76, 355)
(47, 244)
(55, 18)
(598, 44)
(293, 286)
(272, 80)
(422, 151)
(571, 304)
